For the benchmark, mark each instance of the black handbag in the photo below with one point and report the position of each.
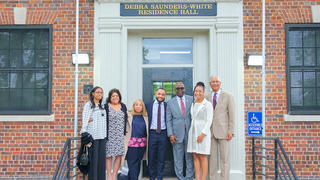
(84, 158)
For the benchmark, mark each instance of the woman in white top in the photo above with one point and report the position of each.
(199, 140)
(94, 123)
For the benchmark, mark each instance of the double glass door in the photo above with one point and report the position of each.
(166, 51)
(161, 59)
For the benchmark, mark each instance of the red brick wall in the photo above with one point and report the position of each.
(33, 148)
(301, 140)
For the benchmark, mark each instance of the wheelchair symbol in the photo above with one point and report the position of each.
(254, 119)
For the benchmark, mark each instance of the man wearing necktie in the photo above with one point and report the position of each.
(158, 140)
(178, 124)
(222, 129)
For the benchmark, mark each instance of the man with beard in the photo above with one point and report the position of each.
(158, 140)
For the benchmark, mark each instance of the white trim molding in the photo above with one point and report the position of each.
(224, 32)
(301, 118)
(27, 118)
(315, 13)
(163, 1)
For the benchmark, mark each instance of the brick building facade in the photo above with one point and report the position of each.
(300, 139)
(32, 148)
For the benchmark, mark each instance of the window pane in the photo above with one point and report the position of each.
(296, 79)
(309, 79)
(168, 87)
(28, 99)
(4, 81)
(15, 101)
(318, 56)
(318, 38)
(41, 80)
(309, 56)
(28, 58)
(41, 99)
(296, 97)
(29, 80)
(16, 39)
(42, 39)
(309, 95)
(16, 58)
(16, 80)
(42, 58)
(318, 96)
(4, 99)
(4, 39)
(29, 40)
(295, 56)
(167, 51)
(4, 58)
(309, 39)
(156, 85)
(318, 79)
(295, 39)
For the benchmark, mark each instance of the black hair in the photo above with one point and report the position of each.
(114, 90)
(91, 98)
(161, 88)
(200, 84)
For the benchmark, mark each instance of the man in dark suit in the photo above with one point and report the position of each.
(158, 140)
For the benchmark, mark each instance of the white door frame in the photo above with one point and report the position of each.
(135, 66)
(225, 56)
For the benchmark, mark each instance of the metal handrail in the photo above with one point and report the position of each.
(282, 167)
(64, 166)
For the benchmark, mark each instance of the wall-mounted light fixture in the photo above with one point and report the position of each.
(82, 58)
(254, 60)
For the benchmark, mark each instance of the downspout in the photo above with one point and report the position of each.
(76, 72)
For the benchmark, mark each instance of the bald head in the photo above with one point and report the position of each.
(215, 83)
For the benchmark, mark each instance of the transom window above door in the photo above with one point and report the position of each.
(167, 51)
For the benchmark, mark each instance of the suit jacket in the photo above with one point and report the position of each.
(128, 135)
(149, 107)
(223, 115)
(175, 120)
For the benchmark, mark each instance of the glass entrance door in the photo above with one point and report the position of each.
(160, 58)
(165, 62)
(154, 78)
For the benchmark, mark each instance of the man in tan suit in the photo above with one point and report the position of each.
(222, 129)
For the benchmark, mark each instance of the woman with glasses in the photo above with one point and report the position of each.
(94, 123)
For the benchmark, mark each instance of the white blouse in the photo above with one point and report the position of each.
(97, 126)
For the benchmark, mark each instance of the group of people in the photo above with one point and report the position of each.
(195, 126)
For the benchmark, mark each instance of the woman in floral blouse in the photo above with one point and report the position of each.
(136, 138)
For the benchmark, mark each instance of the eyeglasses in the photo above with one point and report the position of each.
(180, 88)
(98, 92)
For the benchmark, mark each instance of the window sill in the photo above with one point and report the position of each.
(301, 118)
(27, 118)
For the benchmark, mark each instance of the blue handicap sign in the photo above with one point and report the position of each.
(254, 123)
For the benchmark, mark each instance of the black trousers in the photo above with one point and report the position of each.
(97, 154)
(134, 158)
